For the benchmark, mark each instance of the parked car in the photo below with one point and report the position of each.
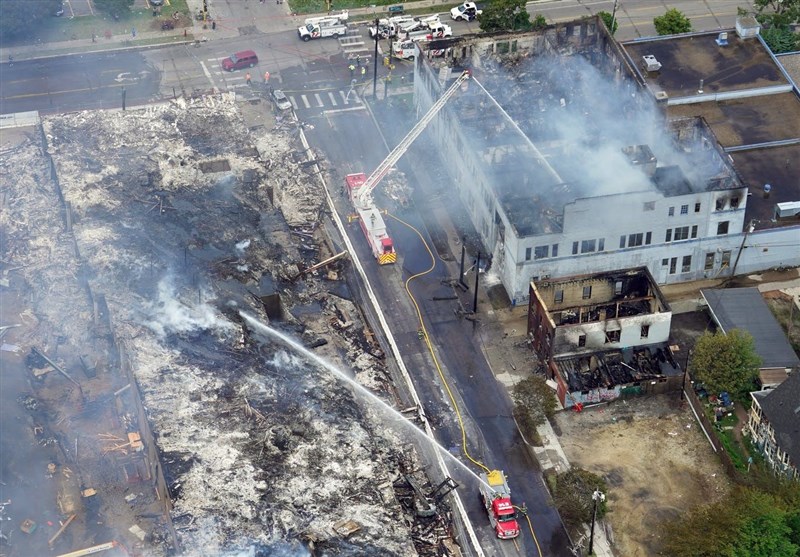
(239, 60)
(60, 11)
(281, 100)
(156, 2)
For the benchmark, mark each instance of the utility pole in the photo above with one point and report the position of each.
(613, 17)
(477, 275)
(685, 372)
(375, 65)
(750, 228)
(596, 496)
(463, 255)
(123, 98)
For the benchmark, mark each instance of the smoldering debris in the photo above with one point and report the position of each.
(262, 451)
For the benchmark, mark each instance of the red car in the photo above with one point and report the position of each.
(239, 60)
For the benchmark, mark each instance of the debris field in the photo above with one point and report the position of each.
(147, 411)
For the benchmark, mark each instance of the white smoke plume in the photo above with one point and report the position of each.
(173, 313)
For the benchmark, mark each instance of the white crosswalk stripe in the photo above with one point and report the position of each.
(327, 99)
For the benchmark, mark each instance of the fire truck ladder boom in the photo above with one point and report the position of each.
(383, 168)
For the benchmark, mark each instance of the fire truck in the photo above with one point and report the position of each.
(496, 497)
(359, 187)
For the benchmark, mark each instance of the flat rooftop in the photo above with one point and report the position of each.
(777, 166)
(742, 64)
(747, 121)
(791, 63)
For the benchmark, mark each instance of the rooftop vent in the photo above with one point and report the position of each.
(650, 63)
(747, 27)
(722, 39)
(789, 209)
(662, 96)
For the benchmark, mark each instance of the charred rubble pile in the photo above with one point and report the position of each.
(181, 227)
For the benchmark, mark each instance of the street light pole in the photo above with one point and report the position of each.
(596, 496)
(375, 66)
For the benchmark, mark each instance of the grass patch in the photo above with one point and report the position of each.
(733, 449)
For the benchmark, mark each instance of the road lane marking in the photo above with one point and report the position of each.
(305, 101)
(332, 98)
(319, 100)
(208, 75)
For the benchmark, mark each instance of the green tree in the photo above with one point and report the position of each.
(572, 496)
(672, 22)
(19, 17)
(726, 362)
(610, 20)
(764, 530)
(536, 397)
(787, 11)
(781, 38)
(505, 15)
(115, 8)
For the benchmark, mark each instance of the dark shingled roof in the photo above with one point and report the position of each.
(745, 309)
(781, 406)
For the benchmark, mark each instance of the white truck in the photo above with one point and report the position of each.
(317, 28)
(418, 24)
(465, 12)
(388, 28)
(431, 31)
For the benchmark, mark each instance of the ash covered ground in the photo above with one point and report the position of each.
(174, 218)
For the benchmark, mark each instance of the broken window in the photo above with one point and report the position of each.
(694, 231)
(574, 248)
(649, 205)
(684, 209)
(527, 254)
(672, 211)
(645, 332)
(722, 228)
(541, 252)
(664, 262)
(635, 240)
(612, 336)
(555, 250)
(648, 238)
(559, 297)
(726, 259)
(618, 288)
(709, 261)
(588, 246)
(686, 264)
(696, 207)
(734, 202)
(720, 204)
(682, 233)
(581, 340)
(587, 292)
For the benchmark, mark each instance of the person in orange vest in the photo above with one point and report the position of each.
(247, 77)
(266, 77)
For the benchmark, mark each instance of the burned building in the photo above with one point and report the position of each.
(602, 335)
(586, 313)
(567, 162)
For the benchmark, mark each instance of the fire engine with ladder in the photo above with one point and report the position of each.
(359, 187)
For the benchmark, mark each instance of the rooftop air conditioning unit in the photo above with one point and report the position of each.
(747, 27)
(787, 210)
(650, 63)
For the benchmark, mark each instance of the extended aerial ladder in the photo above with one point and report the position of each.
(364, 195)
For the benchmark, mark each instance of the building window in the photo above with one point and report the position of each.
(645, 331)
(664, 262)
(673, 264)
(612, 336)
(709, 261)
(527, 254)
(635, 240)
(601, 244)
(726, 259)
(648, 238)
(574, 248)
(684, 209)
(696, 207)
(682, 233)
(672, 211)
(581, 340)
(694, 231)
(722, 228)
(618, 288)
(668, 237)
(587, 292)
(588, 246)
(734, 202)
(540, 252)
(555, 250)
(686, 264)
(622, 242)
(649, 205)
(559, 297)
(720, 204)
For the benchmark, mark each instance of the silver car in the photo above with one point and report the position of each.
(280, 100)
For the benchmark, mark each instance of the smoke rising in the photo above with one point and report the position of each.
(172, 313)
